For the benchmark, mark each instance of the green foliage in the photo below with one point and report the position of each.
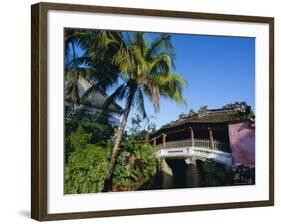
(136, 124)
(147, 66)
(87, 167)
(244, 174)
(87, 164)
(94, 65)
(100, 132)
(93, 123)
(215, 174)
(136, 164)
(79, 139)
(96, 124)
(141, 126)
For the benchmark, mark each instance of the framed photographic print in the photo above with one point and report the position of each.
(138, 111)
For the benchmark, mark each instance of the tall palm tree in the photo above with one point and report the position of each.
(94, 63)
(146, 70)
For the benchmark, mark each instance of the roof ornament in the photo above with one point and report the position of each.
(182, 116)
(191, 113)
(238, 106)
(203, 110)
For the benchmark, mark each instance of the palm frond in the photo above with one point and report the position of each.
(139, 101)
(172, 86)
(97, 87)
(83, 61)
(118, 94)
(152, 91)
(140, 41)
(160, 64)
(162, 44)
(123, 59)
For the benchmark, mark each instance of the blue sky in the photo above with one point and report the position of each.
(219, 70)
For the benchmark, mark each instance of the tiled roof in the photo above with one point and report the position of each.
(222, 115)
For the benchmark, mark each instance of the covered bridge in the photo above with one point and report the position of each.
(226, 135)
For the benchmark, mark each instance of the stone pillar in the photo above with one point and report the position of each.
(193, 178)
(164, 140)
(159, 176)
(211, 138)
(191, 136)
(167, 180)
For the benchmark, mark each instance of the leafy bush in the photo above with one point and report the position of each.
(87, 167)
(96, 124)
(243, 174)
(136, 164)
(79, 139)
(215, 174)
(140, 128)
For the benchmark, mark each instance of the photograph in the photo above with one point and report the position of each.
(157, 111)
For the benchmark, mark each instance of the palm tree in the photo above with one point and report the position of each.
(94, 64)
(146, 71)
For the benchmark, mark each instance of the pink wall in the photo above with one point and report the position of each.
(242, 142)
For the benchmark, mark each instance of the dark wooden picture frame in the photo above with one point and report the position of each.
(39, 121)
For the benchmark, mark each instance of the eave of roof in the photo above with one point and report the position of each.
(211, 117)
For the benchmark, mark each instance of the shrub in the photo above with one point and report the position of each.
(87, 167)
(96, 124)
(136, 164)
(243, 174)
(79, 139)
(215, 174)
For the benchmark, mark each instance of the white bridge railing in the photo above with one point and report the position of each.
(200, 143)
(196, 153)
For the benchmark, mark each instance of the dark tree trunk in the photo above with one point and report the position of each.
(116, 148)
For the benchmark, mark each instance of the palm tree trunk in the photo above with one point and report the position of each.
(120, 133)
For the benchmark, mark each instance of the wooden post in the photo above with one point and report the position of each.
(164, 140)
(192, 136)
(211, 138)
